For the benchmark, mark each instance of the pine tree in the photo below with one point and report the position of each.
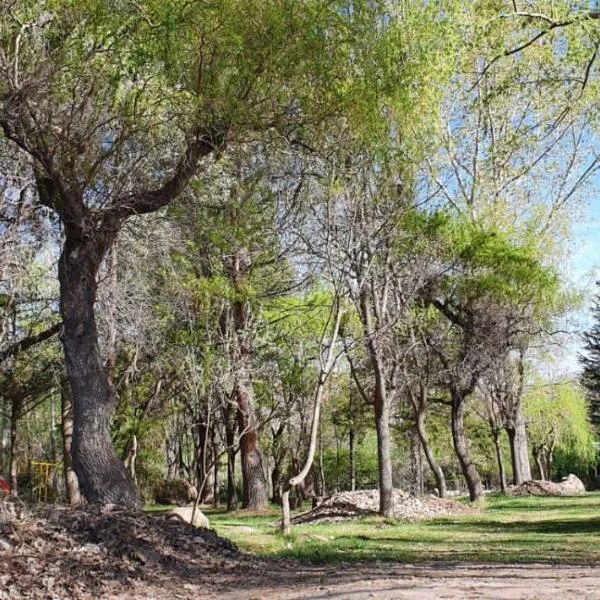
(590, 361)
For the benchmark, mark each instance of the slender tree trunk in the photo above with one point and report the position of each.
(4, 441)
(71, 482)
(322, 486)
(325, 370)
(381, 405)
(437, 471)
(519, 452)
(102, 475)
(215, 449)
(537, 453)
(384, 455)
(500, 458)
(15, 415)
(229, 417)
(461, 446)
(276, 482)
(352, 454)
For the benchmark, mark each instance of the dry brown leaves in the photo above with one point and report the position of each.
(350, 505)
(108, 553)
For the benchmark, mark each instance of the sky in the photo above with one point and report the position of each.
(582, 270)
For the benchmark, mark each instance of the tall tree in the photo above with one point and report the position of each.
(590, 361)
(116, 105)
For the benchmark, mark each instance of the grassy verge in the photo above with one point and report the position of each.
(506, 530)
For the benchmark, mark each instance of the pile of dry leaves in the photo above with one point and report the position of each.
(569, 486)
(350, 505)
(107, 552)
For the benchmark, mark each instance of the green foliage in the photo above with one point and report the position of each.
(557, 415)
(336, 462)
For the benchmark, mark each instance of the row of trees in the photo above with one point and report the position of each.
(351, 207)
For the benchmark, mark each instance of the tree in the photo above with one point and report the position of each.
(558, 421)
(590, 361)
(115, 105)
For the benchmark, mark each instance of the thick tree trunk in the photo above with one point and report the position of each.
(500, 459)
(352, 453)
(71, 482)
(254, 483)
(437, 471)
(102, 475)
(254, 493)
(519, 452)
(461, 446)
(384, 455)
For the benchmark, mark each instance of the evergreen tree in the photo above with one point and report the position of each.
(590, 361)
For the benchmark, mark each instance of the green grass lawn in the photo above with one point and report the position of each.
(506, 530)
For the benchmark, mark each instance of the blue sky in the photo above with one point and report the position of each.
(583, 270)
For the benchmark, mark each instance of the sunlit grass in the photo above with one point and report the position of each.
(524, 530)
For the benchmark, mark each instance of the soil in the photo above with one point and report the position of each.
(118, 555)
(351, 505)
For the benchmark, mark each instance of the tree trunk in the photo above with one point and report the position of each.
(254, 493)
(519, 452)
(230, 421)
(461, 446)
(352, 454)
(540, 463)
(437, 471)
(15, 415)
(325, 371)
(102, 475)
(384, 455)
(500, 458)
(254, 483)
(321, 483)
(71, 482)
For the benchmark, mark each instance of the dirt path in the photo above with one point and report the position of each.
(93, 553)
(417, 582)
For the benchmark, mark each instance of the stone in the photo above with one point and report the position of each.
(5, 545)
(184, 513)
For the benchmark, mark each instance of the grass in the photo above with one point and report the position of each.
(506, 530)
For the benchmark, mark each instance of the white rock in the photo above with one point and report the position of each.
(184, 513)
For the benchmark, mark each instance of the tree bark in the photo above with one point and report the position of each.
(102, 475)
(254, 493)
(519, 452)
(352, 453)
(500, 458)
(437, 471)
(229, 417)
(254, 483)
(461, 446)
(384, 455)
(15, 415)
(71, 482)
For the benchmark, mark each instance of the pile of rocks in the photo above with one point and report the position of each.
(350, 505)
(569, 486)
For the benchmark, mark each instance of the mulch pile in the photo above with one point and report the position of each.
(108, 552)
(351, 505)
(569, 486)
